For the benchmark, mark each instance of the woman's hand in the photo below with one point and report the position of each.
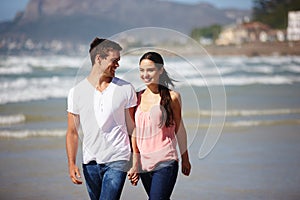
(133, 176)
(185, 167)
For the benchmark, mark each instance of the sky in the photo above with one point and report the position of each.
(9, 8)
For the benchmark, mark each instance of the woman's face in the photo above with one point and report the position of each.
(149, 73)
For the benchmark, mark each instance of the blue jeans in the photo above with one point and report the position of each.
(105, 181)
(160, 182)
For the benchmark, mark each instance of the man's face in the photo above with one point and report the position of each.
(110, 63)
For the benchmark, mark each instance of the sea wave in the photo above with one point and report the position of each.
(42, 61)
(12, 119)
(291, 68)
(7, 134)
(274, 61)
(28, 82)
(262, 123)
(15, 70)
(248, 123)
(244, 113)
(21, 134)
(26, 89)
(240, 81)
(21, 64)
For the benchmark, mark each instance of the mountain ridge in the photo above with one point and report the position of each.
(82, 19)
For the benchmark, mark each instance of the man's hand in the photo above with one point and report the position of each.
(75, 174)
(133, 176)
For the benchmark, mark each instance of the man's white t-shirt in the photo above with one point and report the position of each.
(102, 119)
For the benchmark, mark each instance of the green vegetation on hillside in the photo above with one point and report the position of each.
(274, 12)
(211, 32)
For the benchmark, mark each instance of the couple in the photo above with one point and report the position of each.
(125, 133)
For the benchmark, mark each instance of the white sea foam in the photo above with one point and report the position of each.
(275, 61)
(235, 113)
(253, 123)
(31, 133)
(291, 68)
(259, 69)
(248, 123)
(246, 80)
(26, 89)
(12, 119)
(15, 70)
(242, 80)
(262, 112)
(56, 61)
(193, 71)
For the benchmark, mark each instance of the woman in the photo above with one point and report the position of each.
(158, 128)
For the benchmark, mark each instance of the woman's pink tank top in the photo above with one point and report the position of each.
(156, 143)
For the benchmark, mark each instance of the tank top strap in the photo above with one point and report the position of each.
(139, 97)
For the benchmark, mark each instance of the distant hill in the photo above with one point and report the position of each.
(81, 20)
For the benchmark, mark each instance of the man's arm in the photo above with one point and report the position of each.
(133, 175)
(72, 146)
(129, 118)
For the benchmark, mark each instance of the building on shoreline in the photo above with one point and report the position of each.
(250, 32)
(253, 32)
(293, 29)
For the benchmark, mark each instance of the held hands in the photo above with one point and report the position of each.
(75, 174)
(133, 176)
(133, 173)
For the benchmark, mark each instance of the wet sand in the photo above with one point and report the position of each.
(247, 163)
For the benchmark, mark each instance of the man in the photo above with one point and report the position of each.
(102, 105)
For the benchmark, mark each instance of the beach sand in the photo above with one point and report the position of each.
(247, 163)
(256, 157)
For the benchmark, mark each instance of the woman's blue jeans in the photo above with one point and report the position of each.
(105, 181)
(160, 182)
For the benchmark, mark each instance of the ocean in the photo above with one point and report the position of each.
(242, 115)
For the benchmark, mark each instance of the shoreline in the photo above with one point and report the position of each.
(247, 49)
(256, 49)
(253, 49)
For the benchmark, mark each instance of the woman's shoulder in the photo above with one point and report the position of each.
(175, 96)
(176, 100)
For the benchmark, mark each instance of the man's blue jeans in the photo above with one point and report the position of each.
(160, 182)
(105, 181)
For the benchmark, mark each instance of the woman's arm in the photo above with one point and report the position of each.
(180, 133)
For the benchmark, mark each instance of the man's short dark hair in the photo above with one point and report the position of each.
(102, 47)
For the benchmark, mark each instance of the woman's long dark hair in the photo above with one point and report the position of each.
(164, 82)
